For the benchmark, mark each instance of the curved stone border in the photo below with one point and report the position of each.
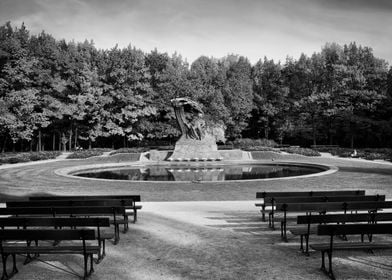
(67, 172)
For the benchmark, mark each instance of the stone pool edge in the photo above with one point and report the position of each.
(65, 172)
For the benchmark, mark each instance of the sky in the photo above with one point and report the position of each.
(214, 28)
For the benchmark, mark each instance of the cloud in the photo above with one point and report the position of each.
(253, 28)
(366, 5)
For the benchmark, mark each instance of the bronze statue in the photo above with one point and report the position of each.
(190, 118)
(197, 142)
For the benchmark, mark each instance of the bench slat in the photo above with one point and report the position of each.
(384, 228)
(72, 249)
(351, 246)
(47, 234)
(136, 198)
(309, 193)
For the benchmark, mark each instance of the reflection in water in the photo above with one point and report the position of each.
(202, 173)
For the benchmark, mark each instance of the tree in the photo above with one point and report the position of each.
(270, 98)
(207, 80)
(237, 94)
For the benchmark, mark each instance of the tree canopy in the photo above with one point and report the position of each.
(54, 92)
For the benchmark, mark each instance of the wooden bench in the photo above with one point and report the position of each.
(134, 207)
(315, 199)
(349, 229)
(309, 220)
(105, 211)
(58, 223)
(271, 195)
(324, 207)
(12, 249)
(75, 203)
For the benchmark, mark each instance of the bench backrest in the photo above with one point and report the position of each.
(54, 222)
(104, 210)
(333, 206)
(69, 203)
(135, 198)
(344, 218)
(47, 234)
(354, 229)
(309, 193)
(308, 199)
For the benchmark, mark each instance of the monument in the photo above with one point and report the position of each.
(197, 143)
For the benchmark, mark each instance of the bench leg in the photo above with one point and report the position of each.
(28, 259)
(91, 265)
(116, 234)
(134, 215)
(14, 268)
(271, 223)
(307, 244)
(330, 272)
(102, 251)
(263, 213)
(283, 231)
(323, 261)
(4, 258)
(85, 267)
(103, 248)
(88, 272)
(126, 223)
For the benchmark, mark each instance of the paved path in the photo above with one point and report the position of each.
(201, 231)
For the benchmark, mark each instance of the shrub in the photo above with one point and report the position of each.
(44, 155)
(225, 147)
(130, 150)
(301, 151)
(373, 156)
(260, 148)
(26, 157)
(85, 154)
(246, 143)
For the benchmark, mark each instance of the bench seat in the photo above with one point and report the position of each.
(50, 249)
(352, 246)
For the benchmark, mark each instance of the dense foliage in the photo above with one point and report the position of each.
(25, 157)
(57, 95)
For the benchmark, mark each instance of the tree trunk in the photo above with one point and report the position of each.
(76, 138)
(70, 140)
(31, 145)
(352, 141)
(266, 129)
(314, 132)
(54, 141)
(89, 144)
(64, 142)
(4, 143)
(39, 141)
(59, 141)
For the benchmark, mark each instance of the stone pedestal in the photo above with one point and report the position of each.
(187, 149)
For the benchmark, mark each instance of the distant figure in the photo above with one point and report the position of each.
(354, 154)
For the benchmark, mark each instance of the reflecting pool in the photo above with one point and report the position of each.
(201, 172)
